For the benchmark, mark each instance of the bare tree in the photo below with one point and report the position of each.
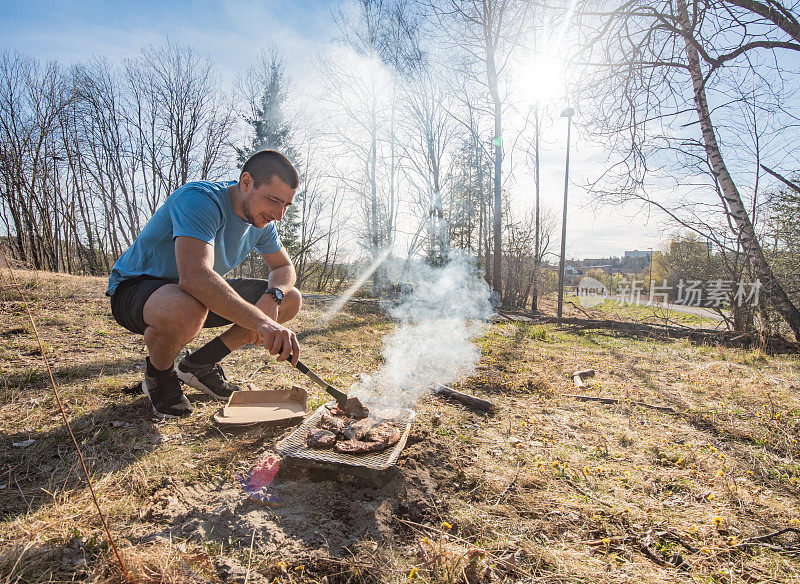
(659, 61)
(32, 97)
(430, 132)
(181, 125)
(487, 32)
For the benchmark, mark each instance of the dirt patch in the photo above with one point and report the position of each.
(314, 512)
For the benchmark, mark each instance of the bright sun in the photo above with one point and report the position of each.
(542, 80)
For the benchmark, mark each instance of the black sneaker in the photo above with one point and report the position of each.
(166, 396)
(208, 378)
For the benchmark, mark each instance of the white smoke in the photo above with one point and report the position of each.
(449, 306)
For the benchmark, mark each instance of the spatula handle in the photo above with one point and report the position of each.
(340, 396)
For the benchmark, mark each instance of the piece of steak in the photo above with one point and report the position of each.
(320, 439)
(386, 432)
(356, 410)
(357, 446)
(377, 437)
(356, 429)
(351, 411)
(332, 423)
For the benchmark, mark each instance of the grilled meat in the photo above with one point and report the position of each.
(357, 446)
(355, 430)
(356, 410)
(353, 409)
(332, 423)
(386, 432)
(320, 439)
(355, 436)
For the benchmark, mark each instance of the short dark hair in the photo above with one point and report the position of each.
(265, 164)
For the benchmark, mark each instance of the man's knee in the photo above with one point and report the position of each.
(292, 301)
(173, 312)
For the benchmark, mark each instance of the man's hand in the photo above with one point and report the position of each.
(277, 340)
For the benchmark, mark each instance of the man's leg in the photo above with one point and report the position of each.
(173, 318)
(201, 368)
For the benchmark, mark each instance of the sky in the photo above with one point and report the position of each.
(232, 33)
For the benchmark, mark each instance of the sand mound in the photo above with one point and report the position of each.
(314, 511)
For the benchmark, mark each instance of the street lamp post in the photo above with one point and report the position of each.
(567, 113)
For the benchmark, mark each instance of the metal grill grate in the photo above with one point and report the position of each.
(294, 445)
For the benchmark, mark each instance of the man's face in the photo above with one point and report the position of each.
(267, 202)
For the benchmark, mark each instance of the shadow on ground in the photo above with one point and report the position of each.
(38, 378)
(111, 438)
(640, 330)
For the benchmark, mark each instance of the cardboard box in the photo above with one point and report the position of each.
(264, 406)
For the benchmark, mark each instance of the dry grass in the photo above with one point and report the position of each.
(547, 489)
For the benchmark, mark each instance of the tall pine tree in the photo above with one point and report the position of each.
(265, 90)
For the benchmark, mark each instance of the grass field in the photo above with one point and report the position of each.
(628, 311)
(546, 489)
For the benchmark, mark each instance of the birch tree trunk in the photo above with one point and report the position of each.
(730, 194)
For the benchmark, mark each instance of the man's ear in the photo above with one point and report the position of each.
(246, 181)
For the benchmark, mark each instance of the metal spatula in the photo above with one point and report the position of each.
(347, 404)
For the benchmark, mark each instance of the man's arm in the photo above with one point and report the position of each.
(282, 274)
(195, 259)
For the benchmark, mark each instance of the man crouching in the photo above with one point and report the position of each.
(169, 284)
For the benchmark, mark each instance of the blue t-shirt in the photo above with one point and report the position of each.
(202, 210)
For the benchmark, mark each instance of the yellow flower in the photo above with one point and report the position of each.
(731, 540)
(412, 575)
(705, 550)
(680, 461)
(425, 540)
(711, 496)
(793, 480)
(713, 449)
(446, 526)
(717, 521)
(719, 473)
(606, 540)
(750, 472)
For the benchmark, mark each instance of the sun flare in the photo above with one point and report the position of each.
(543, 80)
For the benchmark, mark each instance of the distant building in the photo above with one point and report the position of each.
(638, 254)
(570, 270)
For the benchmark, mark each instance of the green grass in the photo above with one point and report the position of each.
(639, 312)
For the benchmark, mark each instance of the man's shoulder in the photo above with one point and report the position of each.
(210, 188)
(201, 193)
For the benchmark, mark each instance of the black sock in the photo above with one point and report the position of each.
(153, 372)
(211, 352)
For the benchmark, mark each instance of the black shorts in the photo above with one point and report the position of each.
(127, 303)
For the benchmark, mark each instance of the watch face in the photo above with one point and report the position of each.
(277, 294)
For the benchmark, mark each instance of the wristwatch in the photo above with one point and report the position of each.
(276, 293)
